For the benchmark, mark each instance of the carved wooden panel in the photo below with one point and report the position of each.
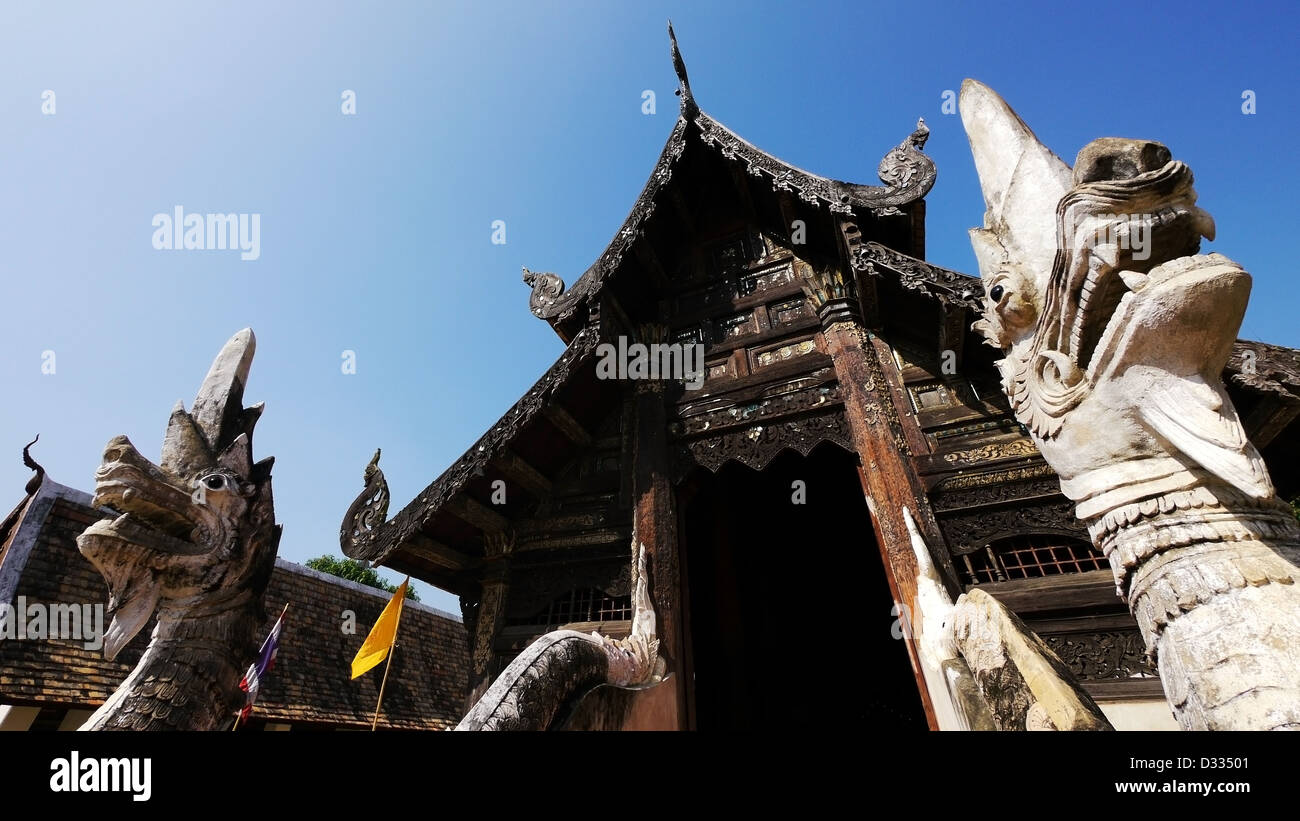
(766, 280)
(735, 252)
(793, 397)
(788, 311)
(735, 326)
(737, 288)
(758, 445)
(781, 352)
(966, 532)
(1112, 654)
(991, 487)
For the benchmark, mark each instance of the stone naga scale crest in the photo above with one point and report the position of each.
(1116, 332)
(195, 539)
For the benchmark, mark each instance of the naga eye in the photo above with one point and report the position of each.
(995, 293)
(215, 482)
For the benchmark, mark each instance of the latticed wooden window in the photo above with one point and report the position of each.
(1030, 556)
(581, 605)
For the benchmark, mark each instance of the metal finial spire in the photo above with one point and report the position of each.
(679, 66)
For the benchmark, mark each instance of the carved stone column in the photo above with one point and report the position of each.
(654, 518)
(491, 610)
(886, 472)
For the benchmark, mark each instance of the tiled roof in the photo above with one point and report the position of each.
(310, 681)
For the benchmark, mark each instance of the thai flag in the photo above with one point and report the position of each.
(265, 660)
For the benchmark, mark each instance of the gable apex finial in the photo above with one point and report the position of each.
(679, 66)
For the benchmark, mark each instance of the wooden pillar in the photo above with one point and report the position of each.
(887, 475)
(491, 612)
(654, 524)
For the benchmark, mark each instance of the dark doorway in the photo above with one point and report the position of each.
(789, 607)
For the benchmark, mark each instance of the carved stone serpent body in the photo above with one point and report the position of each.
(542, 686)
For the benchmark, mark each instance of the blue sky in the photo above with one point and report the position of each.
(376, 228)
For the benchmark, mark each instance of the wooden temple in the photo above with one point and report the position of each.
(842, 384)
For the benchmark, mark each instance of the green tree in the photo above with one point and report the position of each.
(356, 571)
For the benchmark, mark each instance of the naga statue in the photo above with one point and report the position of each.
(195, 540)
(1116, 332)
(544, 684)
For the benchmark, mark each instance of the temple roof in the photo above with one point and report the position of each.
(433, 536)
(908, 175)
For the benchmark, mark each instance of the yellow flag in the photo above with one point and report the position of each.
(375, 648)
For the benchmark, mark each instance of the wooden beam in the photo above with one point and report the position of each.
(569, 426)
(1269, 418)
(682, 210)
(437, 553)
(523, 474)
(1094, 590)
(479, 515)
(645, 254)
(789, 213)
(952, 332)
(654, 512)
(850, 236)
(740, 177)
(886, 471)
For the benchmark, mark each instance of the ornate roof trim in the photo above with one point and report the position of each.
(549, 300)
(378, 543)
(948, 286)
(908, 175)
(1265, 368)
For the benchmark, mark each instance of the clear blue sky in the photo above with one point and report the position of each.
(376, 228)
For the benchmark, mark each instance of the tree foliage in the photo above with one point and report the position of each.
(356, 571)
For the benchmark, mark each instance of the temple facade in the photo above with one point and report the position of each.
(831, 382)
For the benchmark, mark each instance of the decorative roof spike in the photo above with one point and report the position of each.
(34, 483)
(547, 288)
(920, 135)
(367, 512)
(689, 108)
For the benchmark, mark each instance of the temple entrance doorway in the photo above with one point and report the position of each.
(788, 621)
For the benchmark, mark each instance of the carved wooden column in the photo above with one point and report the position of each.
(654, 523)
(886, 471)
(491, 610)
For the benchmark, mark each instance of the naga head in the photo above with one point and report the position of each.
(195, 533)
(1094, 289)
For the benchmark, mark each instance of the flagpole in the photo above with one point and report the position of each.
(240, 714)
(397, 623)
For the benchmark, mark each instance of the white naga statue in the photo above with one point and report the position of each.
(1116, 332)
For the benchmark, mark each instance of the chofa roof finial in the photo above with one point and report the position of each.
(688, 100)
(34, 483)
